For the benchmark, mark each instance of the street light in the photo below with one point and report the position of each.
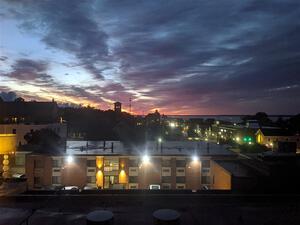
(159, 139)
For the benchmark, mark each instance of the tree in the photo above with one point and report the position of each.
(44, 141)
(19, 99)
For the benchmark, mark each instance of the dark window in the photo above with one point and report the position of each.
(180, 179)
(180, 170)
(133, 179)
(55, 180)
(38, 164)
(14, 131)
(91, 170)
(205, 163)
(166, 179)
(133, 163)
(56, 170)
(56, 163)
(180, 163)
(91, 179)
(91, 163)
(166, 170)
(166, 186)
(166, 163)
(37, 181)
(205, 179)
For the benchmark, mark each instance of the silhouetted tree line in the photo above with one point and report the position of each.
(95, 124)
(292, 124)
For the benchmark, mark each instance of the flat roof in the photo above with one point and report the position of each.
(235, 168)
(151, 148)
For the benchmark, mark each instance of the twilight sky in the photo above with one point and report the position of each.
(181, 57)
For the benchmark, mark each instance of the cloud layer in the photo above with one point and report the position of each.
(182, 57)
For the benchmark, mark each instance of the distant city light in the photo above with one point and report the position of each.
(172, 125)
(237, 138)
(159, 140)
(70, 159)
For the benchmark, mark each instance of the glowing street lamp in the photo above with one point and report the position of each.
(159, 140)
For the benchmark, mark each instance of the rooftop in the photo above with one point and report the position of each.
(151, 147)
(275, 132)
(235, 168)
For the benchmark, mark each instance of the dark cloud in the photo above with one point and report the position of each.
(29, 70)
(8, 96)
(181, 56)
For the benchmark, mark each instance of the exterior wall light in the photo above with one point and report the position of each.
(146, 159)
(195, 158)
(70, 159)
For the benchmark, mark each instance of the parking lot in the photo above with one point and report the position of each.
(137, 208)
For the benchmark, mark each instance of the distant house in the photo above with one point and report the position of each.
(271, 137)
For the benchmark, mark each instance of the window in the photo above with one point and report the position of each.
(56, 180)
(166, 163)
(91, 170)
(91, 163)
(111, 165)
(20, 160)
(38, 164)
(205, 170)
(56, 170)
(133, 163)
(205, 179)
(37, 181)
(14, 131)
(180, 170)
(56, 163)
(91, 179)
(180, 179)
(205, 163)
(180, 186)
(133, 186)
(166, 179)
(133, 171)
(180, 163)
(166, 186)
(133, 179)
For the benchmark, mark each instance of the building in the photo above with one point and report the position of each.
(232, 175)
(20, 130)
(271, 138)
(28, 112)
(118, 107)
(91, 164)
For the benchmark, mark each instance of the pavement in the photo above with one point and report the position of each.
(133, 208)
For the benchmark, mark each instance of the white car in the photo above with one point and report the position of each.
(154, 186)
(71, 188)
